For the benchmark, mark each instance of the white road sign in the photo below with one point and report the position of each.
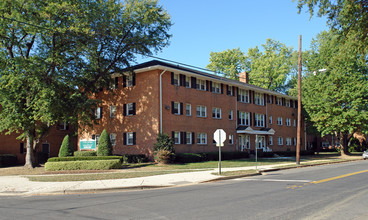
(219, 136)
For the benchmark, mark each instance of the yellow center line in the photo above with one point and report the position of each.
(339, 177)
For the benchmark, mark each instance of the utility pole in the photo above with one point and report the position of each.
(298, 136)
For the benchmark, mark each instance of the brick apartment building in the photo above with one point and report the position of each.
(190, 105)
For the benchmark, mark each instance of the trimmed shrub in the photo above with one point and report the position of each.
(58, 159)
(164, 142)
(306, 152)
(104, 144)
(85, 153)
(83, 165)
(233, 155)
(134, 158)
(7, 160)
(66, 148)
(188, 158)
(164, 156)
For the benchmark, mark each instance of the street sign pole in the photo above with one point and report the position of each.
(219, 164)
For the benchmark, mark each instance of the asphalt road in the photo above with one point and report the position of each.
(337, 191)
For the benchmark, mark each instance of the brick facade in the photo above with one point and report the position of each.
(214, 98)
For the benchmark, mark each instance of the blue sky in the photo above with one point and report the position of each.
(202, 26)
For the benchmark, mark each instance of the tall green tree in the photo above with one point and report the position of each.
(349, 18)
(55, 54)
(66, 148)
(104, 144)
(337, 99)
(269, 68)
(228, 63)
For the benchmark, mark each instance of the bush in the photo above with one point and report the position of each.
(85, 153)
(306, 152)
(66, 148)
(83, 165)
(134, 158)
(7, 160)
(188, 158)
(164, 142)
(104, 144)
(58, 159)
(164, 156)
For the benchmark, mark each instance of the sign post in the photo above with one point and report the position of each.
(219, 136)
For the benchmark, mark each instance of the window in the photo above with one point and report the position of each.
(243, 95)
(176, 137)
(288, 122)
(96, 137)
(288, 141)
(201, 111)
(258, 98)
(202, 138)
(129, 80)
(216, 87)
(287, 103)
(189, 138)
(294, 141)
(129, 109)
(130, 138)
(201, 84)
(278, 101)
(231, 115)
(270, 120)
(229, 90)
(63, 126)
(113, 139)
(259, 120)
(280, 140)
(98, 113)
(244, 142)
(176, 79)
(176, 108)
(231, 139)
(216, 113)
(112, 111)
(270, 140)
(270, 99)
(187, 81)
(115, 84)
(279, 120)
(188, 109)
(243, 118)
(294, 123)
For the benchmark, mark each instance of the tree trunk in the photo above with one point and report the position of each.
(344, 144)
(29, 163)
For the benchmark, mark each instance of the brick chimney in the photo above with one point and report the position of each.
(244, 77)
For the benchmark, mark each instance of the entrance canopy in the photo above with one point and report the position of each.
(249, 130)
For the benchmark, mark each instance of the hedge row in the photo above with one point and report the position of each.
(134, 158)
(7, 160)
(210, 156)
(83, 165)
(58, 159)
(85, 153)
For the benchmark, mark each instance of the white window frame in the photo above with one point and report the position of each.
(270, 119)
(216, 87)
(231, 139)
(278, 101)
(294, 123)
(129, 80)
(243, 95)
(258, 98)
(62, 125)
(188, 138)
(98, 113)
(187, 82)
(288, 141)
(279, 120)
(288, 122)
(229, 90)
(112, 111)
(177, 137)
(201, 111)
(244, 118)
(216, 113)
(176, 79)
(97, 138)
(246, 140)
(113, 139)
(201, 138)
(280, 141)
(201, 84)
(294, 141)
(177, 107)
(129, 107)
(130, 138)
(231, 115)
(259, 120)
(270, 140)
(287, 102)
(188, 109)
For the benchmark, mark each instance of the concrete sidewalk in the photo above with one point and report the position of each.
(21, 186)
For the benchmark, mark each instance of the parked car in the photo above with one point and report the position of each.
(365, 154)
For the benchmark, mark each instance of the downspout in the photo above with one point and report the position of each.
(161, 100)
